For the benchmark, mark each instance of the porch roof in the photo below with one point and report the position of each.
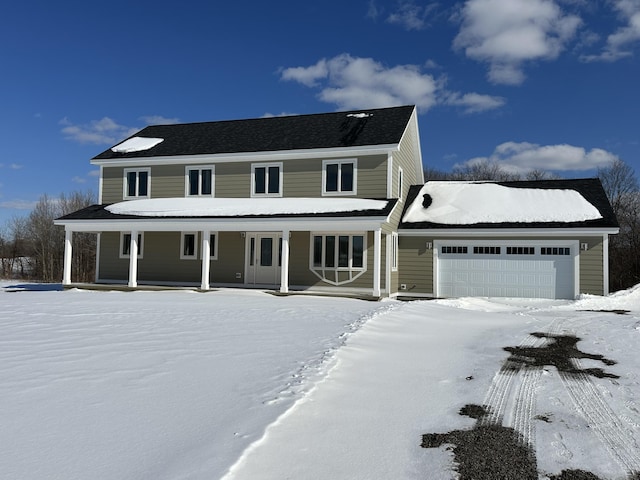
(232, 214)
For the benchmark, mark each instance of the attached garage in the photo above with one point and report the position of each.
(506, 269)
(528, 239)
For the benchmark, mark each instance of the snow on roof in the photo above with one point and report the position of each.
(467, 203)
(137, 144)
(230, 207)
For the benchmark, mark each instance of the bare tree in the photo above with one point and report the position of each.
(621, 185)
(484, 170)
(48, 239)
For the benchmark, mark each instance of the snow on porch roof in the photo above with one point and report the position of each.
(471, 203)
(232, 207)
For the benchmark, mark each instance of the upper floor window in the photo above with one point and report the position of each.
(339, 177)
(266, 180)
(199, 181)
(400, 185)
(136, 182)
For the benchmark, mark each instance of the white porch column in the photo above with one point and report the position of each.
(206, 259)
(133, 260)
(66, 268)
(284, 272)
(387, 263)
(377, 256)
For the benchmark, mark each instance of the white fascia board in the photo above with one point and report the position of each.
(337, 224)
(336, 152)
(508, 232)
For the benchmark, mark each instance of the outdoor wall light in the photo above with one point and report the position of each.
(429, 246)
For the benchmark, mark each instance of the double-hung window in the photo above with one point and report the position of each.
(339, 177)
(136, 183)
(125, 244)
(266, 180)
(199, 181)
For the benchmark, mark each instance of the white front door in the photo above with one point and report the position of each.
(264, 260)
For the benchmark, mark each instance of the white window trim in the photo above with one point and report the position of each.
(140, 244)
(266, 167)
(195, 246)
(199, 168)
(125, 190)
(400, 184)
(340, 162)
(214, 254)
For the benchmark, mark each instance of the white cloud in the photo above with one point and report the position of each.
(508, 33)
(19, 204)
(159, 120)
(77, 179)
(353, 82)
(281, 114)
(103, 131)
(373, 11)
(308, 76)
(523, 157)
(474, 102)
(411, 16)
(12, 166)
(94, 173)
(106, 131)
(619, 43)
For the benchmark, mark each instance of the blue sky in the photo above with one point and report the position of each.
(551, 84)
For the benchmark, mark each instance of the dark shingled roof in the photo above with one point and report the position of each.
(381, 126)
(99, 212)
(590, 188)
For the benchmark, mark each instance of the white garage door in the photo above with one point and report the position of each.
(531, 270)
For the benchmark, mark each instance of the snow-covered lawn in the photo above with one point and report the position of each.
(243, 385)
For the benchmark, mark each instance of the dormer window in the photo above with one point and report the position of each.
(339, 177)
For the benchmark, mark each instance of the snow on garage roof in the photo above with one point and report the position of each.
(468, 203)
(230, 207)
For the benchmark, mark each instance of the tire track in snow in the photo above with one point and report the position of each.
(523, 407)
(610, 429)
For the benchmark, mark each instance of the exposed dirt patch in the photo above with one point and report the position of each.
(559, 353)
(574, 475)
(616, 311)
(474, 411)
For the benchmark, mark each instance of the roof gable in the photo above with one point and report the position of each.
(383, 126)
(573, 203)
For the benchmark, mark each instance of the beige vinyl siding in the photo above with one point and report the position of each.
(112, 184)
(591, 263)
(230, 260)
(111, 267)
(415, 265)
(167, 181)
(372, 176)
(233, 180)
(162, 261)
(302, 178)
(404, 158)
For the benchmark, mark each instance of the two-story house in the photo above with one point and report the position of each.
(304, 202)
(333, 202)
